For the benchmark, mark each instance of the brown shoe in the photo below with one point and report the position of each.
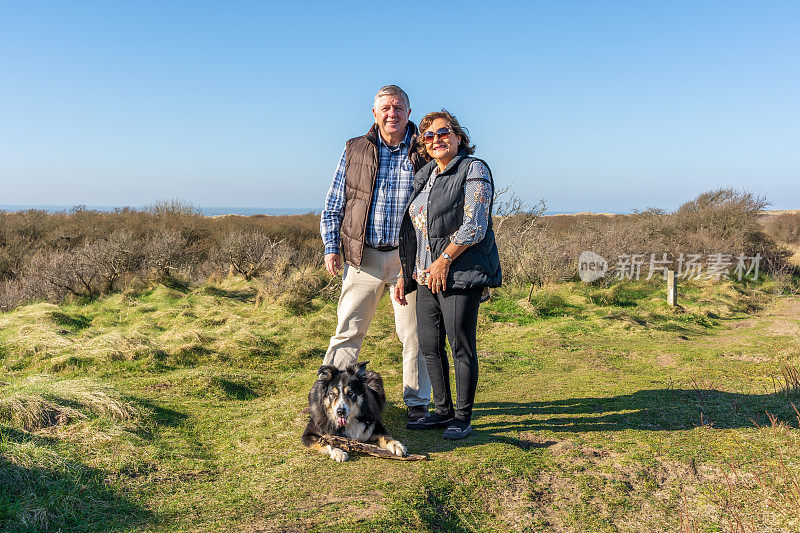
(417, 412)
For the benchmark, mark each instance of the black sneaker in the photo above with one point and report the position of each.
(457, 430)
(432, 421)
(417, 412)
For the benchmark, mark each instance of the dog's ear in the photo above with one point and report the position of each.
(374, 381)
(358, 369)
(327, 372)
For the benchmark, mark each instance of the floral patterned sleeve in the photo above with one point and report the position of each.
(477, 197)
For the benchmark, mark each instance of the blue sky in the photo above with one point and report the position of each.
(591, 106)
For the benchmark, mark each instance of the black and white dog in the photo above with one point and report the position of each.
(348, 403)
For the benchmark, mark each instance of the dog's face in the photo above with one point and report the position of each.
(347, 403)
(342, 393)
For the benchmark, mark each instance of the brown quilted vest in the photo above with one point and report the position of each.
(361, 169)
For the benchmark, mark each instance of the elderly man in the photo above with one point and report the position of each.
(361, 220)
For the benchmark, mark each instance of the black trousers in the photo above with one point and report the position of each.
(454, 314)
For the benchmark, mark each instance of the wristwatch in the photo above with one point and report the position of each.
(447, 256)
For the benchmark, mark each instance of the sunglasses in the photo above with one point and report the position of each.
(430, 136)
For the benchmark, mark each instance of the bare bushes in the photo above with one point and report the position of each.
(545, 249)
(84, 271)
(18, 291)
(784, 227)
(531, 256)
(724, 220)
(118, 255)
(84, 253)
(541, 249)
(13, 250)
(249, 254)
(69, 272)
(165, 254)
(527, 253)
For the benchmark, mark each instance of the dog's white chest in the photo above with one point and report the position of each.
(358, 431)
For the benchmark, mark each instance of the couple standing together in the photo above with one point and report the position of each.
(411, 212)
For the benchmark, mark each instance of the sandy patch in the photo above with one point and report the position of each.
(787, 315)
(748, 358)
(356, 507)
(782, 318)
(667, 359)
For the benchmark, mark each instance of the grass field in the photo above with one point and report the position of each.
(598, 409)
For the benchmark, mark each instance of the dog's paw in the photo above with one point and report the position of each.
(337, 454)
(396, 447)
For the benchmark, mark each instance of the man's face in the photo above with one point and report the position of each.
(391, 116)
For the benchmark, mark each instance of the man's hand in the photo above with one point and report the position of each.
(333, 262)
(399, 292)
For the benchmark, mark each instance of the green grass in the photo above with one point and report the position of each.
(598, 409)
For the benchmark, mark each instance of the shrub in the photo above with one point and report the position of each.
(784, 227)
(165, 254)
(251, 253)
(14, 247)
(69, 272)
(115, 256)
(171, 208)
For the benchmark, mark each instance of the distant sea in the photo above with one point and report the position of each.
(207, 211)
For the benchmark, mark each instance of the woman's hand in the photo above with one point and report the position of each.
(437, 275)
(399, 292)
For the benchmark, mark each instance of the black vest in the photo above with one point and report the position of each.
(478, 265)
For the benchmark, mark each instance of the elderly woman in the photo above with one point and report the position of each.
(448, 253)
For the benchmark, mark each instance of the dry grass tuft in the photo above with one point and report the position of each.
(39, 402)
(34, 412)
(35, 327)
(791, 379)
(301, 288)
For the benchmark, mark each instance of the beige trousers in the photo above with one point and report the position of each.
(362, 289)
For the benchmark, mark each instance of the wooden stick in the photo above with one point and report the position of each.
(352, 446)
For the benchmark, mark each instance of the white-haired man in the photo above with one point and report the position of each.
(361, 220)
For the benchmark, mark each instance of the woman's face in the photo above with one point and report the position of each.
(443, 148)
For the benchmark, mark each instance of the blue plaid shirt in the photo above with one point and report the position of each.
(390, 197)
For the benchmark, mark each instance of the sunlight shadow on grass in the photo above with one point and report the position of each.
(242, 295)
(652, 410)
(163, 416)
(59, 494)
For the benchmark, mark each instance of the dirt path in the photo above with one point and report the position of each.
(782, 317)
(760, 338)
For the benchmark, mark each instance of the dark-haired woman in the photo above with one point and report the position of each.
(448, 253)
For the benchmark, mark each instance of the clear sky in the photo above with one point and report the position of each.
(589, 105)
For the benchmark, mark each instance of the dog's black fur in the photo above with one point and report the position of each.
(348, 403)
